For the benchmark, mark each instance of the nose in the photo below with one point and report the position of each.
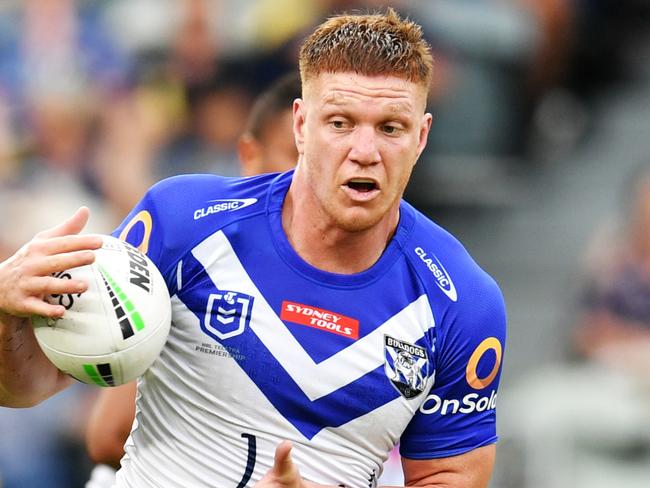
(364, 150)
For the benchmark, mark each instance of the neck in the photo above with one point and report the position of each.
(320, 242)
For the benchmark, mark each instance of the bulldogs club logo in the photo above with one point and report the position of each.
(406, 366)
(227, 314)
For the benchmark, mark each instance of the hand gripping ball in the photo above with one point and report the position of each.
(113, 332)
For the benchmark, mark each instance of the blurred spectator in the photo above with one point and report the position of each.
(58, 65)
(614, 326)
(273, 22)
(162, 129)
(563, 105)
(54, 177)
(51, 49)
(607, 29)
(217, 110)
(152, 27)
(488, 53)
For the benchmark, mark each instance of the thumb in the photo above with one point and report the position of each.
(283, 464)
(72, 225)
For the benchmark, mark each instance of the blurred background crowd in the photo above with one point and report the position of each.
(538, 160)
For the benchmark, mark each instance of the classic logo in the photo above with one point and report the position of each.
(439, 273)
(320, 319)
(225, 205)
(227, 314)
(406, 366)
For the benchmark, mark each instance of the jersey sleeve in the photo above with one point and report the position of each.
(147, 226)
(459, 412)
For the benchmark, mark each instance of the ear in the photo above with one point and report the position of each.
(249, 153)
(425, 127)
(299, 124)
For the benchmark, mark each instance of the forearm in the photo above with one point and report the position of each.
(27, 377)
(110, 423)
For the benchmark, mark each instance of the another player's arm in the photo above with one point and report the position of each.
(27, 377)
(110, 424)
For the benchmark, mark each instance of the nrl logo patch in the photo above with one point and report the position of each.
(227, 314)
(406, 366)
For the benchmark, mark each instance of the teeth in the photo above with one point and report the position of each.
(362, 180)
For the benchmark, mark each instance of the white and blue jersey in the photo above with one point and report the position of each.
(265, 347)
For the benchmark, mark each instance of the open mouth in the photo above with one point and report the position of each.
(362, 185)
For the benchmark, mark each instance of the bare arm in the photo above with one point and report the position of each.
(20, 359)
(26, 376)
(110, 424)
(470, 470)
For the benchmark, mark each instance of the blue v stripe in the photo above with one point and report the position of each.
(308, 417)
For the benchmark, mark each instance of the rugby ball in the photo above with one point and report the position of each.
(111, 333)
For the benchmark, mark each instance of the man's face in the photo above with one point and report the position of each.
(358, 138)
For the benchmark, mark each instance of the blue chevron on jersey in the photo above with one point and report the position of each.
(271, 358)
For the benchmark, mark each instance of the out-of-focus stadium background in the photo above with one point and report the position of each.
(541, 114)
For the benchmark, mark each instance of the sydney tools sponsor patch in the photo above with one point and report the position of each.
(319, 318)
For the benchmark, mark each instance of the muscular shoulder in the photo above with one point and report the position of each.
(444, 266)
(199, 196)
(179, 212)
(466, 301)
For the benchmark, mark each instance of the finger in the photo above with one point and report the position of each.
(35, 306)
(62, 262)
(56, 286)
(283, 463)
(58, 245)
(72, 225)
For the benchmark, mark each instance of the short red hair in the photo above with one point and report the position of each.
(372, 44)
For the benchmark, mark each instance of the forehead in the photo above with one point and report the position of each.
(347, 89)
